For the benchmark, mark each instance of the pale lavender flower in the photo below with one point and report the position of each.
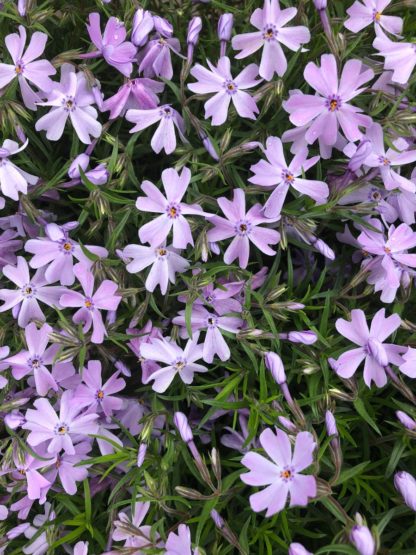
(90, 303)
(282, 474)
(40, 543)
(365, 12)
(276, 172)
(214, 344)
(9, 244)
(36, 358)
(298, 549)
(155, 58)
(24, 300)
(272, 31)
(275, 365)
(330, 108)
(363, 540)
(81, 548)
(111, 44)
(27, 468)
(405, 484)
(372, 349)
(171, 208)
(140, 93)
(400, 57)
(238, 440)
(45, 425)
(98, 175)
(164, 136)
(12, 179)
(130, 529)
(95, 395)
(145, 335)
(218, 80)
(180, 543)
(406, 420)
(71, 98)
(243, 227)
(219, 299)
(165, 262)
(64, 466)
(25, 68)
(408, 365)
(178, 361)
(56, 253)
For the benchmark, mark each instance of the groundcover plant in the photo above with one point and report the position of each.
(207, 255)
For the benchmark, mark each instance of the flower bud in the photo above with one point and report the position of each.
(275, 365)
(331, 424)
(225, 26)
(406, 486)
(3, 512)
(163, 26)
(217, 518)
(143, 24)
(286, 423)
(194, 28)
(406, 420)
(306, 337)
(298, 549)
(181, 422)
(320, 4)
(82, 160)
(21, 7)
(141, 454)
(324, 249)
(363, 540)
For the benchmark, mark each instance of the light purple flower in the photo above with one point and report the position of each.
(270, 22)
(24, 300)
(330, 108)
(64, 467)
(164, 136)
(90, 303)
(282, 474)
(57, 251)
(155, 58)
(165, 262)
(95, 395)
(178, 361)
(180, 543)
(27, 468)
(40, 543)
(400, 57)
(45, 425)
(98, 175)
(298, 549)
(408, 366)
(81, 548)
(379, 158)
(171, 208)
(71, 98)
(25, 68)
(405, 419)
(243, 227)
(363, 540)
(275, 365)
(239, 440)
(365, 12)
(125, 528)
(405, 484)
(140, 93)
(111, 44)
(220, 298)
(276, 172)
(227, 89)
(12, 179)
(214, 344)
(376, 354)
(145, 335)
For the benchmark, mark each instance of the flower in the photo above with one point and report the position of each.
(276, 172)
(364, 13)
(214, 343)
(379, 158)
(405, 419)
(115, 50)
(71, 98)
(27, 468)
(398, 56)
(25, 68)
(98, 175)
(330, 108)
(220, 298)
(9, 244)
(377, 355)
(363, 540)
(145, 335)
(164, 137)
(40, 544)
(57, 251)
(140, 93)
(406, 486)
(275, 365)
(243, 227)
(12, 179)
(155, 59)
(270, 22)
(298, 549)
(143, 24)
(24, 300)
(96, 396)
(45, 425)
(64, 466)
(282, 475)
(81, 548)
(408, 366)
(180, 543)
(178, 361)
(36, 359)
(91, 303)
(220, 81)
(165, 261)
(171, 208)
(129, 529)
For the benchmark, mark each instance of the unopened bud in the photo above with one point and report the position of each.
(363, 540)
(275, 365)
(181, 423)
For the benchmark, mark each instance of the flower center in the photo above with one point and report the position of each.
(387, 250)
(269, 32)
(35, 362)
(100, 394)
(19, 67)
(377, 15)
(161, 253)
(88, 303)
(161, 41)
(21, 471)
(173, 211)
(67, 247)
(375, 195)
(28, 290)
(230, 87)
(287, 474)
(69, 103)
(383, 160)
(333, 103)
(166, 112)
(61, 429)
(212, 322)
(179, 363)
(288, 177)
(243, 228)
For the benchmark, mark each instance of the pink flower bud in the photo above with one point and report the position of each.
(225, 26)
(298, 549)
(82, 160)
(363, 540)
(194, 28)
(275, 365)
(306, 337)
(406, 420)
(141, 454)
(331, 424)
(320, 4)
(181, 422)
(406, 486)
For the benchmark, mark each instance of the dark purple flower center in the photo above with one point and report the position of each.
(383, 160)
(333, 103)
(230, 87)
(166, 112)
(35, 362)
(61, 429)
(374, 195)
(179, 363)
(173, 210)
(270, 32)
(210, 298)
(288, 177)
(243, 228)
(212, 322)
